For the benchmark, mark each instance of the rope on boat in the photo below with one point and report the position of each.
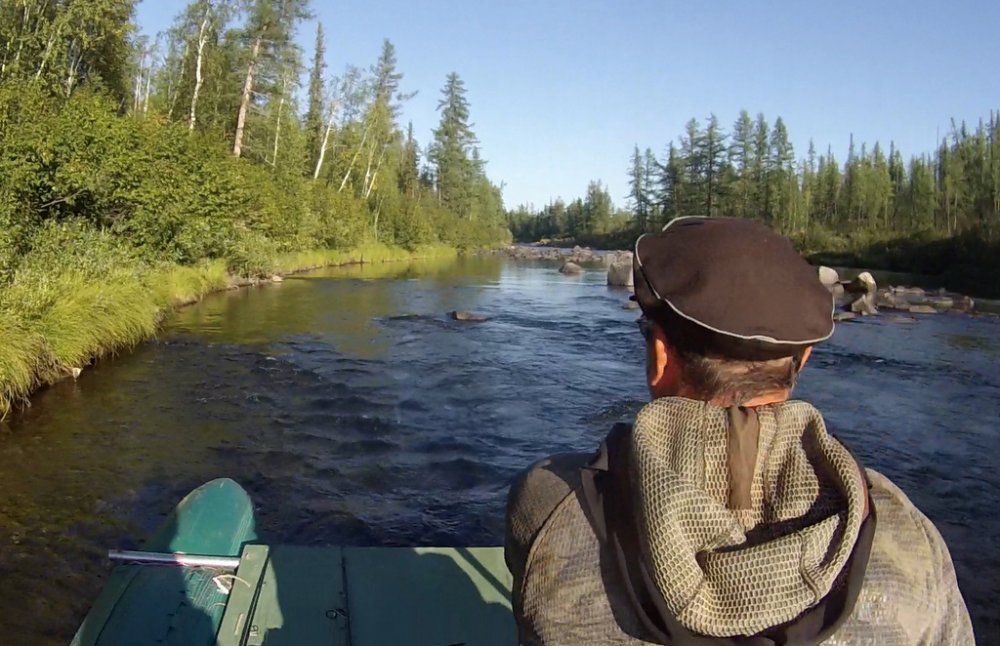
(224, 582)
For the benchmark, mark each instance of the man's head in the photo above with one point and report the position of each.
(731, 310)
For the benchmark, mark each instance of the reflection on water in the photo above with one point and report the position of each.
(966, 342)
(355, 411)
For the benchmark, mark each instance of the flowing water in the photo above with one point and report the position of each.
(355, 411)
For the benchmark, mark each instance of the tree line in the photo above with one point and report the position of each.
(753, 171)
(192, 144)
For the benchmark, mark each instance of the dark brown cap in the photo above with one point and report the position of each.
(732, 288)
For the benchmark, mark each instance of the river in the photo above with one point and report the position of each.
(354, 411)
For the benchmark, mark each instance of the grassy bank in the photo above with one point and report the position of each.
(55, 322)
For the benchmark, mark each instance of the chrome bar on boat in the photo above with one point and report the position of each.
(175, 558)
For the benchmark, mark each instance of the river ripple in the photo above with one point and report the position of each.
(355, 412)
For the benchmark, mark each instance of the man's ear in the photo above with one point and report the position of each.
(805, 356)
(658, 359)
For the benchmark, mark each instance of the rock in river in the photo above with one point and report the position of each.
(571, 268)
(620, 271)
(470, 317)
(829, 277)
(864, 289)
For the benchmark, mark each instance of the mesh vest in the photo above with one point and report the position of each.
(726, 575)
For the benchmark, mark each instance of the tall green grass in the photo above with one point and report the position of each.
(58, 319)
(365, 254)
(174, 285)
(20, 356)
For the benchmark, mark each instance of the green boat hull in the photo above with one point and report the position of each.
(338, 596)
(156, 604)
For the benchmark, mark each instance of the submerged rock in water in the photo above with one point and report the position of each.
(571, 268)
(470, 317)
(630, 305)
(923, 309)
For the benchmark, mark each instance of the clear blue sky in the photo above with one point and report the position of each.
(561, 90)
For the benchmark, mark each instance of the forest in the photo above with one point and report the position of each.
(138, 171)
(935, 213)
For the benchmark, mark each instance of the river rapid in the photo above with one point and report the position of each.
(354, 411)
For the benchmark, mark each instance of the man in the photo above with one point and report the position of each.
(726, 514)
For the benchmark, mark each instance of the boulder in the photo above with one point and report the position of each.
(922, 309)
(630, 305)
(571, 268)
(917, 292)
(865, 291)
(863, 284)
(462, 315)
(620, 272)
(277, 279)
(844, 316)
(964, 303)
(940, 302)
(829, 277)
(581, 256)
(863, 305)
(892, 301)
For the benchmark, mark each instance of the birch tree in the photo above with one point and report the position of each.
(269, 29)
(201, 22)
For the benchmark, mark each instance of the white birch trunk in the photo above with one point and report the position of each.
(361, 146)
(48, 52)
(198, 80)
(277, 125)
(149, 83)
(137, 92)
(374, 174)
(241, 118)
(74, 64)
(326, 138)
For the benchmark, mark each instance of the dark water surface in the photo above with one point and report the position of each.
(354, 411)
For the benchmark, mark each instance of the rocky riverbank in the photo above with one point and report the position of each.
(575, 260)
(863, 297)
(858, 297)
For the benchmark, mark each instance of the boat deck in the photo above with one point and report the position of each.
(357, 596)
(204, 579)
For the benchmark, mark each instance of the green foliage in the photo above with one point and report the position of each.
(66, 45)
(250, 255)
(77, 247)
(120, 196)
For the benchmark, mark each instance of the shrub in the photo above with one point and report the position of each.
(250, 254)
